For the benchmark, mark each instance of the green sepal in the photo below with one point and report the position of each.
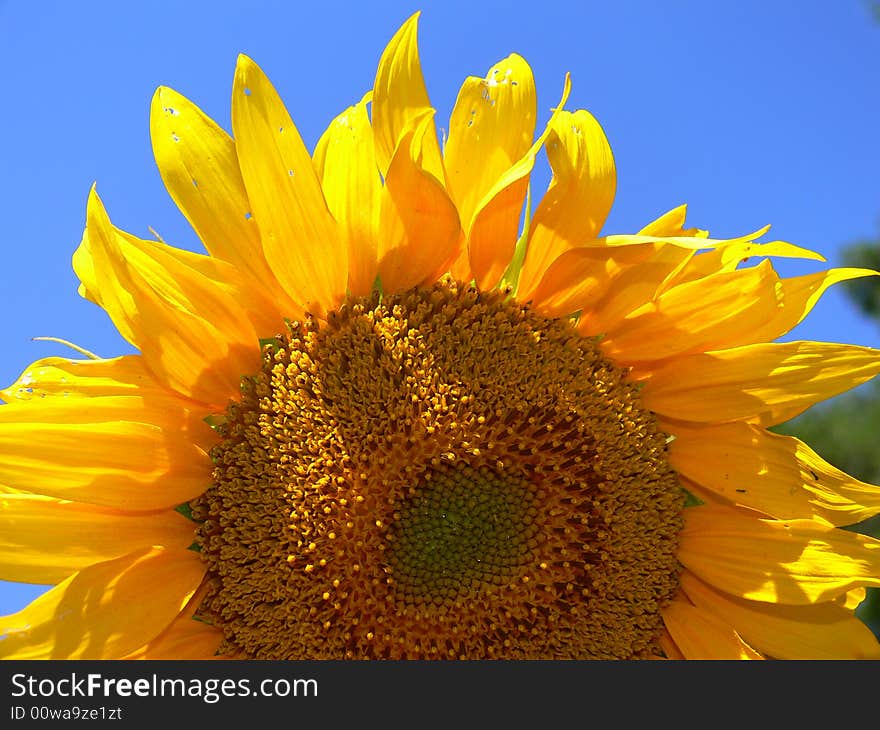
(215, 420)
(185, 510)
(690, 500)
(511, 275)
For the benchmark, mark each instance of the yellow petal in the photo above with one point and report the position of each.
(199, 165)
(798, 295)
(494, 231)
(399, 98)
(794, 562)
(719, 311)
(58, 376)
(671, 223)
(633, 274)
(851, 600)
(491, 128)
(579, 278)
(301, 240)
(778, 475)
(267, 316)
(45, 540)
(580, 195)
(694, 239)
(632, 285)
(670, 650)
(766, 383)
(185, 639)
(419, 230)
(193, 335)
(699, 634)
(346, 163)
(728, 256)
(137, 447)
(105, 611)
(821, 631)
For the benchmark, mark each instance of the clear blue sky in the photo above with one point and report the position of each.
(752, 112)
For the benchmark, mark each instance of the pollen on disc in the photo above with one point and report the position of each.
(440, 475)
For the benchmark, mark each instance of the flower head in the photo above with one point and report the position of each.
(382, 418)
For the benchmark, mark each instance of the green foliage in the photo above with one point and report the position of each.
(864, 292)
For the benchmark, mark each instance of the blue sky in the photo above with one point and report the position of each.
(752, 112)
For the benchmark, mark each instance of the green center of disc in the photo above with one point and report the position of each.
(461, 530)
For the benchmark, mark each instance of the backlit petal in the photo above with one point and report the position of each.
(103, 432)
(767, 383)
(719, 311)
(699, 634)
(59, 376)
(581, 277)
(793, 562)
(778, 475)
(494, 231)
(105, 611)
(632, 285)
(185, 639)
(821, 631)
(798, 295)
(671, 223)
(45, 540)
(727, 257)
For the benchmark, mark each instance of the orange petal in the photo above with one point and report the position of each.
(185, 638)
(58, 376)
(671, 223)
(419, 230)
(491, 128)
(719, 311)
(633, 284)
(798, 295)
(105, 611)
(493, 235)
(581, 277)
(727, 257)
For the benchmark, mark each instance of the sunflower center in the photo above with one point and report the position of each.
(459, 530)
(444, 474)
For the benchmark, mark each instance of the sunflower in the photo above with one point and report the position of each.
(397, 413)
